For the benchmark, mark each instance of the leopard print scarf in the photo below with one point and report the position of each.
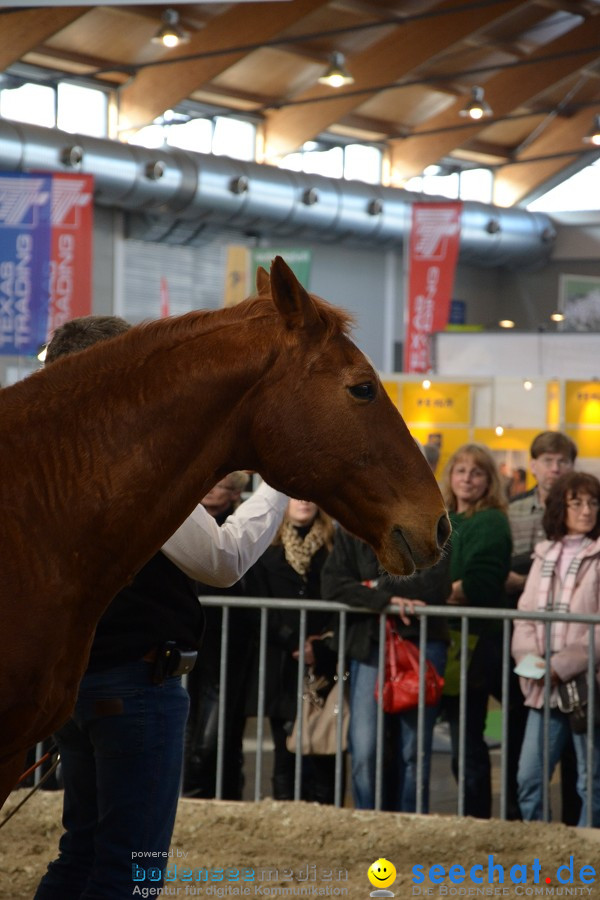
(300, 551)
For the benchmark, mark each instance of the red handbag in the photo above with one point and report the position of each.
(401, 675)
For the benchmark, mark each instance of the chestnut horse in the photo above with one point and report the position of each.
(106, 452)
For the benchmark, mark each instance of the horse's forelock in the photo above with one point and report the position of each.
(334, 319)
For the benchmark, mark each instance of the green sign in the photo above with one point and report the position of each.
(298, 261)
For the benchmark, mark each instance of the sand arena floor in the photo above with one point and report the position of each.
(327, 850)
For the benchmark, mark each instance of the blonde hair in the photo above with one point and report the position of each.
(494, 497)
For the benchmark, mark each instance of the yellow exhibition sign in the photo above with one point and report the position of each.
(587, 441)
(443, 404)
(582, 402)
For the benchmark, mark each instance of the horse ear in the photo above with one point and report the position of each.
(291, 299)
(263, 284)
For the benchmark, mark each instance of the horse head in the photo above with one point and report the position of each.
(347, 447)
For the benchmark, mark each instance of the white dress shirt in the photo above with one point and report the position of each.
(218, 555)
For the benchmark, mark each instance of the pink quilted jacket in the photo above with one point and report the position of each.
(573, 658)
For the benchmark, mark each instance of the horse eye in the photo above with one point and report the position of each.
(365, 391)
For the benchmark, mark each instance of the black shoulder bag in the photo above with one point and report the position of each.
(573, 700)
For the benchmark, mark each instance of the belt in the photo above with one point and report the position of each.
(170, 661)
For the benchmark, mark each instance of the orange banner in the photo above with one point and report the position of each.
(432, 253)
(71, 253)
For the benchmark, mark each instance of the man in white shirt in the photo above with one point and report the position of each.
(122, 750)
(220, 555)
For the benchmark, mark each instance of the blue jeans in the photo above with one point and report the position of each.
(400, 771)
(530, 776)
(121, 759)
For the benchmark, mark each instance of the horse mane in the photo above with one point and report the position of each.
(334, 319)
(168, 333)
(192, 325)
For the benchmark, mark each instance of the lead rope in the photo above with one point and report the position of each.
(42, 781)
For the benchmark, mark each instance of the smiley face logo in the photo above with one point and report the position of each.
(381, 873)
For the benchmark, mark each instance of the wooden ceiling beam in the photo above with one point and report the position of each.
(574, 7)
(66, 60)
(487, 148)
(155, 89)
(506, 91)
(409, 46)
(24, 30)
(232, 98)
(365, 9)
(514, 182)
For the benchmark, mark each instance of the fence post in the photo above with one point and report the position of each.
(221, 709)
(260, 707)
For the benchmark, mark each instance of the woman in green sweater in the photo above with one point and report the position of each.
(479, 564)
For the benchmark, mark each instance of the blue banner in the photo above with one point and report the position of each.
(25, 246)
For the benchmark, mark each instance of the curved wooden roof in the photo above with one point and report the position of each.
(414, 64)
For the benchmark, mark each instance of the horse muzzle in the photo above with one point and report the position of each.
(405, 551)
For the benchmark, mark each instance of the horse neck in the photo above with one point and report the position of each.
(140, 443)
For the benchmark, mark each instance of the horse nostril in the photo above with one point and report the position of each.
(443, 530)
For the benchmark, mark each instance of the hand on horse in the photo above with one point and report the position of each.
(404, 607)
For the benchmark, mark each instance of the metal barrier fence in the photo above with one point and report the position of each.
(465, 615)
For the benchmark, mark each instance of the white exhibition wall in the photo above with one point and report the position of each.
(559, 355)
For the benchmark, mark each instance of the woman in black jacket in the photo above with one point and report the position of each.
(352, 575)
(291, 569)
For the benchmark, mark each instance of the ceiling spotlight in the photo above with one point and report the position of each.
(499, 430)
(170, 34)
(337, 74)
(557, 317)
(506, 323)
(593, 135)
(527, 385)
(477, 107)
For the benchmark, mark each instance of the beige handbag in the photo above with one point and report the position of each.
(320, 713)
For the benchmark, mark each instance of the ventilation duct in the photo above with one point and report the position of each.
(183, 197)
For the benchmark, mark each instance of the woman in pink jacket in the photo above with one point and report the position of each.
(565, 577)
